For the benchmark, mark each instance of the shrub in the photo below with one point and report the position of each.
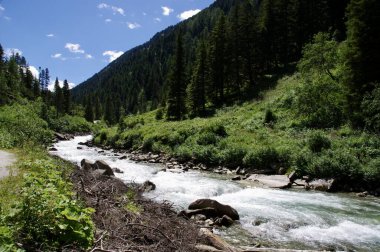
(47, 215)
(269, 117)
(371, 173)
(232, 156)
(371, 109)
(266, 158)
(70, 124)
(159, 114)
(317, 142)
(206, 138)
(216, 128)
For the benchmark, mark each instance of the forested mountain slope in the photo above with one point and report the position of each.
(243, 40)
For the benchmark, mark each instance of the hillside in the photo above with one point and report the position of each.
(253, 37)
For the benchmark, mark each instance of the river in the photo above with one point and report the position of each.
(274, 218)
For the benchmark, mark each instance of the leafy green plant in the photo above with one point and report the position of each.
(317, 142)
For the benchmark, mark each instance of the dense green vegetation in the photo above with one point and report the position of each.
(243, 39)
(321, 120)
(37, 205)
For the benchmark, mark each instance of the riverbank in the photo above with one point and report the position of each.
(292, 219)
(262, 136)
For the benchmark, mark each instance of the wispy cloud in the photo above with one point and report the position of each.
(188, 14)
(166, 10)
(50, 35)
(8, 52)
(74, 48)
(57, 56)
(112, 55)
(88, 56)
(108, 20)
(2, 8)
(157, 20)
(114, 9)
(133, 26)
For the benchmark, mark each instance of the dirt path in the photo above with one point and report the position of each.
(6, 160)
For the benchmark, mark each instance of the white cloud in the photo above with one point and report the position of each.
(188, 14)
(113, 8)
(51, 35)
(52, 83)
(34, 71)
(2, 8)
(89, 56)
(8, 52)
(112, 55)
(7, 18)
(74, 48)
(108, 20)
(166, 10)
(157, 19)
(57, 56)
(133, 25)
(144, 14)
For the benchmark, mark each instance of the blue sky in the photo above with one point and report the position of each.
(77, 38)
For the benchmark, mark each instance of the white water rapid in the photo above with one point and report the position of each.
(275, 218)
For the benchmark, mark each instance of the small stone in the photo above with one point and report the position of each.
(236, 178)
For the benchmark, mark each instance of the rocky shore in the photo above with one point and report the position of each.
(264, 178)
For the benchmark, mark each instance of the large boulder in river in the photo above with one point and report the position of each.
(323, 185)
(147, 186)
(86, 165)
(220, 208)
(101, 165)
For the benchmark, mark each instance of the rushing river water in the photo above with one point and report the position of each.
(275, 218)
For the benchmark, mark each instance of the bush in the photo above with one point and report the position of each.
(21, 124)
(216, 128)
(269, 117)
(159, 114)
(266, 158)
(47, 215)
(371, 109)
(371, 173)
(317, 142)
(70, 124)
(206, 138)
(232, 156)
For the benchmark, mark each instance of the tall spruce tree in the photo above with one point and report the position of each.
(89, 112)
(176, 82)
(217, 62)
(362, 55)
(58, 97)
(196, 90)
(66, 97)
(109, 112)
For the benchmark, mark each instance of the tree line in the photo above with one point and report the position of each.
(17, 82)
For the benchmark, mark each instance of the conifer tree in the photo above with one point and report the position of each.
(36, 88)
(97, 109)
(362, 56)
(217, 62)
(196, 90)
(66, 97)
(176, 83)
(89, 113)
(109, 113)
(58, 97)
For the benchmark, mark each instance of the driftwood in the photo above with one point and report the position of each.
(206, 248)
(216, 241)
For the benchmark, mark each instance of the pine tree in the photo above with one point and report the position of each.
(362, 56)
(42, 78)
(1, 58)
(176, 83)
(109, 113)
(89, 112)
(217, 62)
(97, 109)
(66, 97)
(46, 79)
(196, 89)
(36, 88)
(58, 97)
